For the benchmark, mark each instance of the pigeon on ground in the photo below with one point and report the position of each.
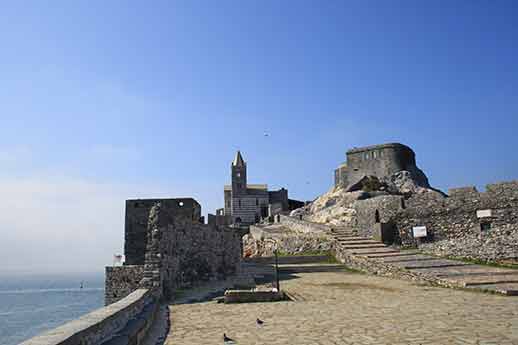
(259, 322)
(227, 340)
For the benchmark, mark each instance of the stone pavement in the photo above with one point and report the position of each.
(334, 306)
(443, 271)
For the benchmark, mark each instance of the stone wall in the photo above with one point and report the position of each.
(379, 209)
(179, 251)
(498, 245)
(124, 322)
(203, 252)
(456, 215)
(262, 241)
(455, 218)
(120, 281)
(303, 226)
(136, 222)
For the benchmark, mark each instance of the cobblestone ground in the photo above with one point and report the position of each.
(349, 308)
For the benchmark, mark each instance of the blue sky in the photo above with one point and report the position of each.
(103, 101)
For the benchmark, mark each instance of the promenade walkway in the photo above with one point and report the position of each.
(334, 306)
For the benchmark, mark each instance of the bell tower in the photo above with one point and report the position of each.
(238, 175)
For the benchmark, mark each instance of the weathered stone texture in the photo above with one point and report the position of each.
(455, 217)
(178, 249)
(499, 244)
(381, 161)
(264, 240)
(136, 222)
(380, 209)
(120, 281)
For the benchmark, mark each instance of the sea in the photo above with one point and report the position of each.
(32, 304)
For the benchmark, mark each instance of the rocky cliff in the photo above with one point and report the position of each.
(344, 205)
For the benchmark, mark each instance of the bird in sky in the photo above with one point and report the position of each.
(266, 134)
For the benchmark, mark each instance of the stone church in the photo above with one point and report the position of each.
(247, 204)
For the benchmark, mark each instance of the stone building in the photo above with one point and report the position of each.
(249, 203)
(379, 160)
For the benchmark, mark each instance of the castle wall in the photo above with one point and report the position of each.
(137, 213)
(455, 218)
(379, 160)
(387, 206)
(179, 251)
(120, 281)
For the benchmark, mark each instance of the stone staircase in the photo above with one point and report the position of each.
(373, 256)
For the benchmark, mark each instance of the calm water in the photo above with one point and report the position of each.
(30, 305)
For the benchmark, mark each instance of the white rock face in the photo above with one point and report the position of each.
(335, 206)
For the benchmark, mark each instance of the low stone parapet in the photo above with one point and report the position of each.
(250, 296)
(124, 322)
(304, 226)
(120, 281)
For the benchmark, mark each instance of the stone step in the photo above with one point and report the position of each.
(354, 242)
(405, 258)
(362, 246)
(481, 273)
(352, 238)
(393, 254)
(370, 251)
(510, 289)
(466, 270)
(409, 265)
(485, 280)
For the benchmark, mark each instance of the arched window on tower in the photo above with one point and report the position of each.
(377, 216)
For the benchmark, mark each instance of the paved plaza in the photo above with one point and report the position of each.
(334, 306)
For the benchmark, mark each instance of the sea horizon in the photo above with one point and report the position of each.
(32, 303)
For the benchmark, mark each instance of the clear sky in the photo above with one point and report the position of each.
(101, 101)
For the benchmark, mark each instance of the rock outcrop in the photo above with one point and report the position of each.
(340, 205)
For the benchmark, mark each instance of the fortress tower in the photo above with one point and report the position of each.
(380, 161)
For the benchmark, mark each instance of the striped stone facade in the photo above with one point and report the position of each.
(249, 203)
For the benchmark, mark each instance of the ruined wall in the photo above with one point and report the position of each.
(455, 217)
(264, 240)
(136, 222)
(379, 209)
(303, 226)
(179, 251)
(120, 281)
(204, 252)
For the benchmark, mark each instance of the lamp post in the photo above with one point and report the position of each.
(277, 272)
